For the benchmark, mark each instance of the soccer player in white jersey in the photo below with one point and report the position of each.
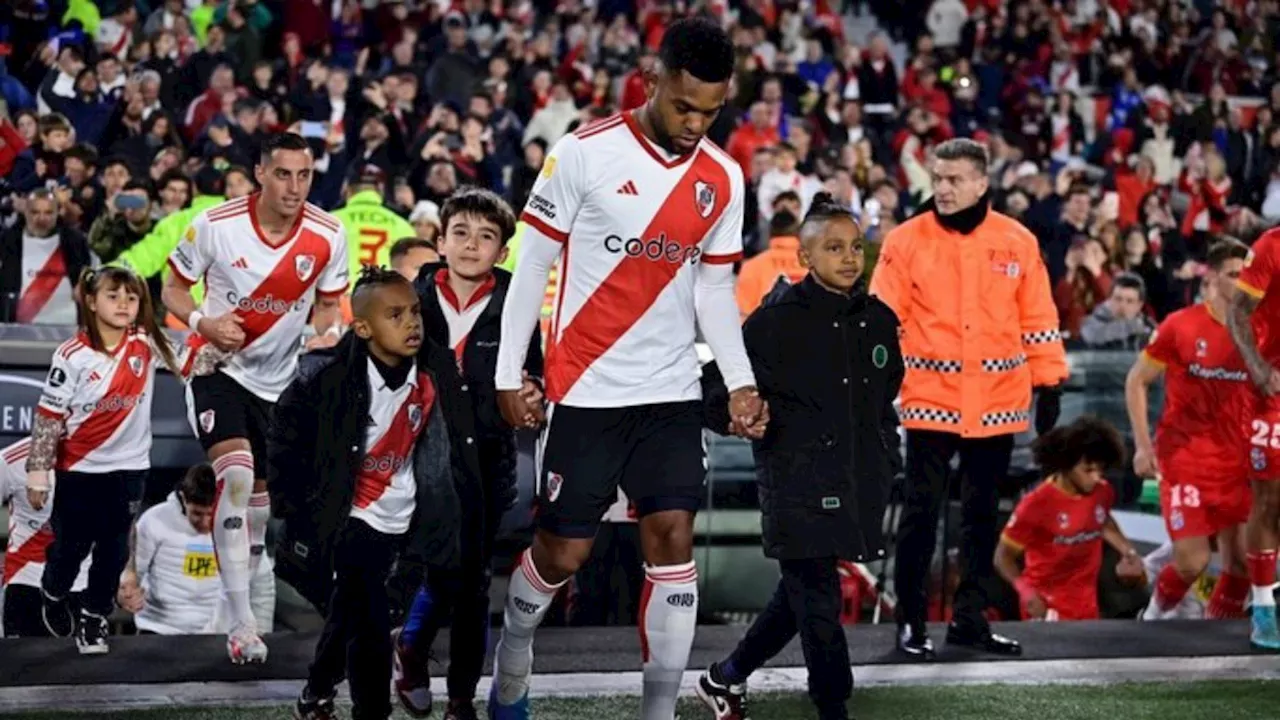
(268, 260)
(28, 541)
(647, 216)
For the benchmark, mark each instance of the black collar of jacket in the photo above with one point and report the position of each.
(964, 221)
(809, 293)
(425, 284)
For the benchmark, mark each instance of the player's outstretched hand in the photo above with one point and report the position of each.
(1144, 463)
(748, 414)
(37, 489)
(1036, 609)
(129, 595)
(1272, 386)
(1130, 571)
(223, 331)
(517, 411)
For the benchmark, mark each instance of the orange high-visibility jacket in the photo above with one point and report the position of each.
(979, 327)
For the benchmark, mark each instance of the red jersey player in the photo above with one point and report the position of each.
(1061, 525)
(646, 216)
(1254, 321)
(1200, 453)
(267, 260)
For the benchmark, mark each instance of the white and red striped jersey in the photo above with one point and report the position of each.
(459, 314)
(104, 399)
(386, 488)
(29, 531)
(271, 288)
(45, 297)
(635, 222)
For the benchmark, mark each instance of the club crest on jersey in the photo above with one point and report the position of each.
(1176, 521)
(304, 265)
(704, 198)
(1258, 459)
(1099, 514)
(1063, 520)
(415, 417)
(554, 483)
(135, 364)
(206, 421)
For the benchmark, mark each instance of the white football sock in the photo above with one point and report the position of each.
(668, 620)
(528, 597)
(234, 472)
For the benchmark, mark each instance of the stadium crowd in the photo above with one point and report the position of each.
(1127, 135)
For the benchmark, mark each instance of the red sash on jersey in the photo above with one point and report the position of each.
(42, 287)
(396, 442)
(31, 551)
(117, 403)
(636, 282)
(288, 281)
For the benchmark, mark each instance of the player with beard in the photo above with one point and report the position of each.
(645, 215)
(270, 261)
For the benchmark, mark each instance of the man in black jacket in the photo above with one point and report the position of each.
(827, 361)
(462, 309)
(40, 261)
(362, 470)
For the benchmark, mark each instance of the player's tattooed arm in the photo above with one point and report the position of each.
(1240, 324)
(45, 434)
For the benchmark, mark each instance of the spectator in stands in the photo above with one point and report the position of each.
(1087, 283)
(1120, 322)
(780, 260)
(128, 221)
(40, 261)
(41, 162)
(425, 219)
(171, 584)
(370, 226)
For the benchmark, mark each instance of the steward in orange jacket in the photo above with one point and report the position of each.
(979, 331)
(979, 326)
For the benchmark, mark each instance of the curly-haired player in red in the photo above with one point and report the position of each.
(1060, 526)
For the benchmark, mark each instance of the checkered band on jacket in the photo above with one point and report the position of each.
(914, 362)
(1004, 364)
(933, 415)
(1041, 336)
(1007, 417)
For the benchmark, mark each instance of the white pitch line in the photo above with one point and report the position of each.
(1024, 672)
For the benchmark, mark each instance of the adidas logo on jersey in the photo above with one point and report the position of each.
(628, 188)
(240, 263)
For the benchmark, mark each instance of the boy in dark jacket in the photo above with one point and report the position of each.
(361, 471)
(827, 361)
(462, 302)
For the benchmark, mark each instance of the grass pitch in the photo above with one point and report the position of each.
(1158, 701)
